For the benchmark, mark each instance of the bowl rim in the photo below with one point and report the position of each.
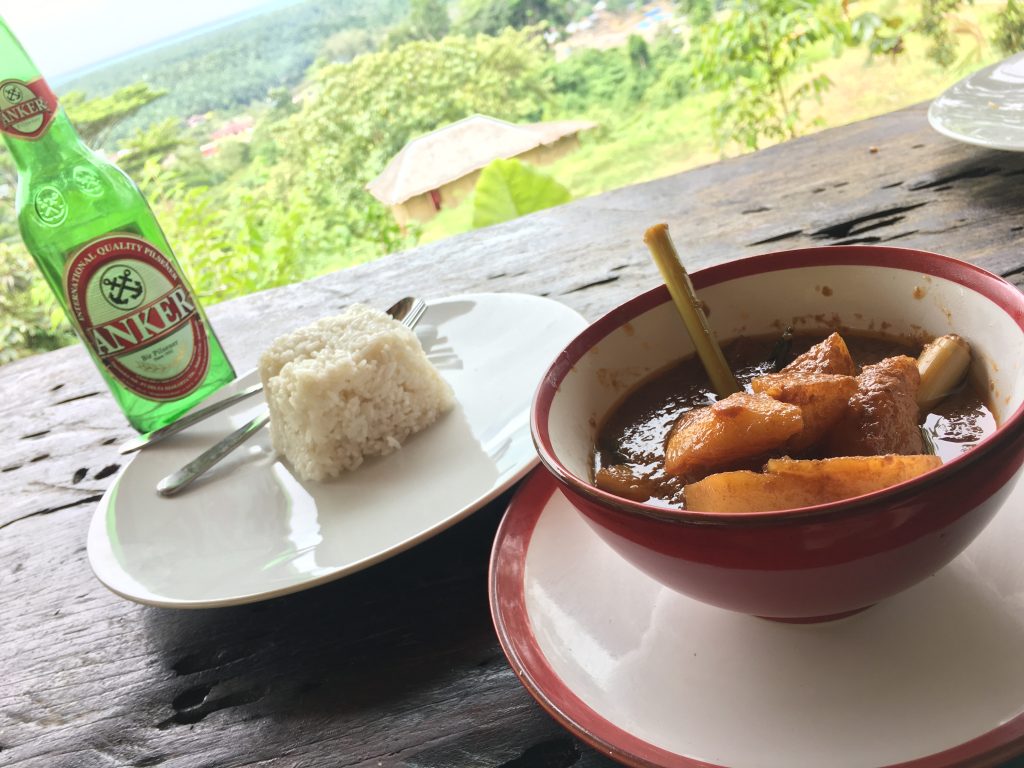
(993, 287)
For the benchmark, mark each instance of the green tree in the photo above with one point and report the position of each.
(491, 17)
(362, 113)
(638, 52)
(698, 11)
(157, 141)
(933, 25)
(346, 44)
(95, 119)
(937, 23)
(755, 55)
(1009, 36)
(30, 318)
(365, 111)
(595, 80)
(428, 19)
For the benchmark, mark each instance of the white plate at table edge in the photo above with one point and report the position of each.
(561, 601)
(231, 501)
(985, 115)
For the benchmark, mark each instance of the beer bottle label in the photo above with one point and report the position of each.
(135, 311)
(26, 109)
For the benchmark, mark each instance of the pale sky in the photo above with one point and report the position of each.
(63, 35)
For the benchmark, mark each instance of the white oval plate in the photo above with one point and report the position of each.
(985, 108)
(930, 678)
(251, 530)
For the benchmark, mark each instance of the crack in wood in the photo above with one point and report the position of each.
(192, 697)
(875, 239)
(34, 435)
(972, 173)
(844, 232)
(868, 227)
(759, 209)
(864, 223)
(76, 397)
(777, 238)
(149, 761)
(859, 241)
(900, 235)
(51, 510)
(79, 475)
(107, 471)
(605, 281)
(192, 715)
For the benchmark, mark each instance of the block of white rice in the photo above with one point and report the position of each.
(354, 385)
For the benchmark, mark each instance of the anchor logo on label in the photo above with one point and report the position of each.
(123, 287)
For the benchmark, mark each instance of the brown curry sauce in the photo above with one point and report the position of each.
(632, 438)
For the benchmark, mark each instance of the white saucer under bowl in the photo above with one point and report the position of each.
(250, 529)
(932, 677)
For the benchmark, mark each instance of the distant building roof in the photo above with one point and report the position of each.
(451, 152)
(234, 127)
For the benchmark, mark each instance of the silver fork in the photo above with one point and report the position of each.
(181, 479)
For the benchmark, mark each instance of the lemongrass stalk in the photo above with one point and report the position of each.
(681, 289)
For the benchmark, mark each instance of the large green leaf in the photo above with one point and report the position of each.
(508, 189)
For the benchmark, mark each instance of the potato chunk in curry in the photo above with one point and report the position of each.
(789, 484)
(739, 428)
(822, 398)
(828, 356)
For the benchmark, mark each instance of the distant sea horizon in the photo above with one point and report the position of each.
(68, 78)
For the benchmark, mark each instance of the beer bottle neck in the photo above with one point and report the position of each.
(14, 62)
(55, 145)
(34, 127)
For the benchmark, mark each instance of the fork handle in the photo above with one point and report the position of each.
(188, 420)
(181, 479)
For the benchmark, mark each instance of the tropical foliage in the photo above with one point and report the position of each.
(1009, 36)
(332, 89)
(757, 50)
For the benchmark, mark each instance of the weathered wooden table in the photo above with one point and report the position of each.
(399, 664)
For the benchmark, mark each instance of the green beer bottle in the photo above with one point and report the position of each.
(105, 257)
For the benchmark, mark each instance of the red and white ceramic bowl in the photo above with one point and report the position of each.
(812, 563)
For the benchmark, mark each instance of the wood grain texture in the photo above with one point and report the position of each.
(398, 664)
